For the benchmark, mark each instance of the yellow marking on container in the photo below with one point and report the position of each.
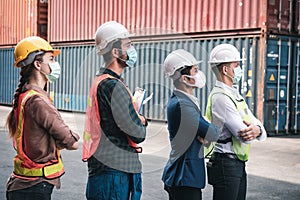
(249, 93)
(272, 77)
(249, 73)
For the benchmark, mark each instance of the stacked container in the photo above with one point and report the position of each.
(265, 31)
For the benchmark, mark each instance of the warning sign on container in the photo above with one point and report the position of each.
(272, 77)
(249, 93)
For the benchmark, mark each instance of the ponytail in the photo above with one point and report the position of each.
(11, 121)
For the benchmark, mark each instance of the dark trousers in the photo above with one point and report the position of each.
(228, 178)
(40, 191)
(184, 193)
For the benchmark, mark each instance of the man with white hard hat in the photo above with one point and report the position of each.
(227, 109)
(113, 127)
(184, 173)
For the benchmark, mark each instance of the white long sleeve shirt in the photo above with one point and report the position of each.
(226, 117)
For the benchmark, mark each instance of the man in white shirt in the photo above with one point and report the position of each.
(227, 109)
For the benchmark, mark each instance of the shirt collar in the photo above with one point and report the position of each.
(232, 90)
(36, 88)
(108, 71)
(192, 97)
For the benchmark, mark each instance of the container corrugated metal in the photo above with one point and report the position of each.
(283, 16)
(281, 101)
(78, 20)
(19, 19)
(80, 63)
(282, 110)
(149, 73)
(9, 76)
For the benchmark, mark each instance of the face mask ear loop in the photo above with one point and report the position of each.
(199, 79)
(226, 74)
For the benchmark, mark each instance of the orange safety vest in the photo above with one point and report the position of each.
(24, 166)
(92, 128)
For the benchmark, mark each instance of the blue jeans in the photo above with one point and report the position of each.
(228, 178)
(40, 191)
(114, 185)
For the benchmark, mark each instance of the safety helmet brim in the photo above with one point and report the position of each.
(224, 53)
(32, 46)
(107, 33)
(178, 59)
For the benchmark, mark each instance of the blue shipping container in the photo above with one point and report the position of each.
(80, 63)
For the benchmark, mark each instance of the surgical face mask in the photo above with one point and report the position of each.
(238, 73)
(132, 57)
(199, 78)
(55, 72)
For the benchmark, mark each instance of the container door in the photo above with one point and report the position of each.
(42, 19)
(277, 87)
(279, 19)
(295, 103)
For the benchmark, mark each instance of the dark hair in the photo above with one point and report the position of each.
(25, 74)
(107, 57)
(186, 70)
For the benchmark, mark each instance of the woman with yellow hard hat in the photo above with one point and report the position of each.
(35, 125)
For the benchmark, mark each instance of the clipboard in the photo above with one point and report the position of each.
(140, 99)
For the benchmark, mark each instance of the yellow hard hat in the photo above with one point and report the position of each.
(28, 48)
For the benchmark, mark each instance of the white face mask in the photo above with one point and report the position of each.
(199, 78)
(55, 72)
(238, 73)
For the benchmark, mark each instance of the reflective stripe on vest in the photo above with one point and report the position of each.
(92, 128)
(24, 166)
(239, 148)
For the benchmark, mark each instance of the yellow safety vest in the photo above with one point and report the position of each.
(239, 148)
(24, 166)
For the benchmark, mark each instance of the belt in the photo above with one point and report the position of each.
(226, 155)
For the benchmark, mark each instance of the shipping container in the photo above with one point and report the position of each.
(270, 85)
(80, 64)
(9, 76)
(19, 19)
(266, 88)
(77, 20)
(283, 16)
(282, 85)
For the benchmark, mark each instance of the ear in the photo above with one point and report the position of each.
(183, 78)
(115, 53)
(224, 69)
(37, 65)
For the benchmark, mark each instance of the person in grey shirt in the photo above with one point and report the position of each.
(227, 109)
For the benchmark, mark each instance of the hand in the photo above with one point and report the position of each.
(203, 141)
(74, 146)
(249, 133)
(143, 119)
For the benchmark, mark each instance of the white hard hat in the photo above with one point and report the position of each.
(107, 33)
(224, 53)
(178, 59)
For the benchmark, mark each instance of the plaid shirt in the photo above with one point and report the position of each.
(118, 120)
